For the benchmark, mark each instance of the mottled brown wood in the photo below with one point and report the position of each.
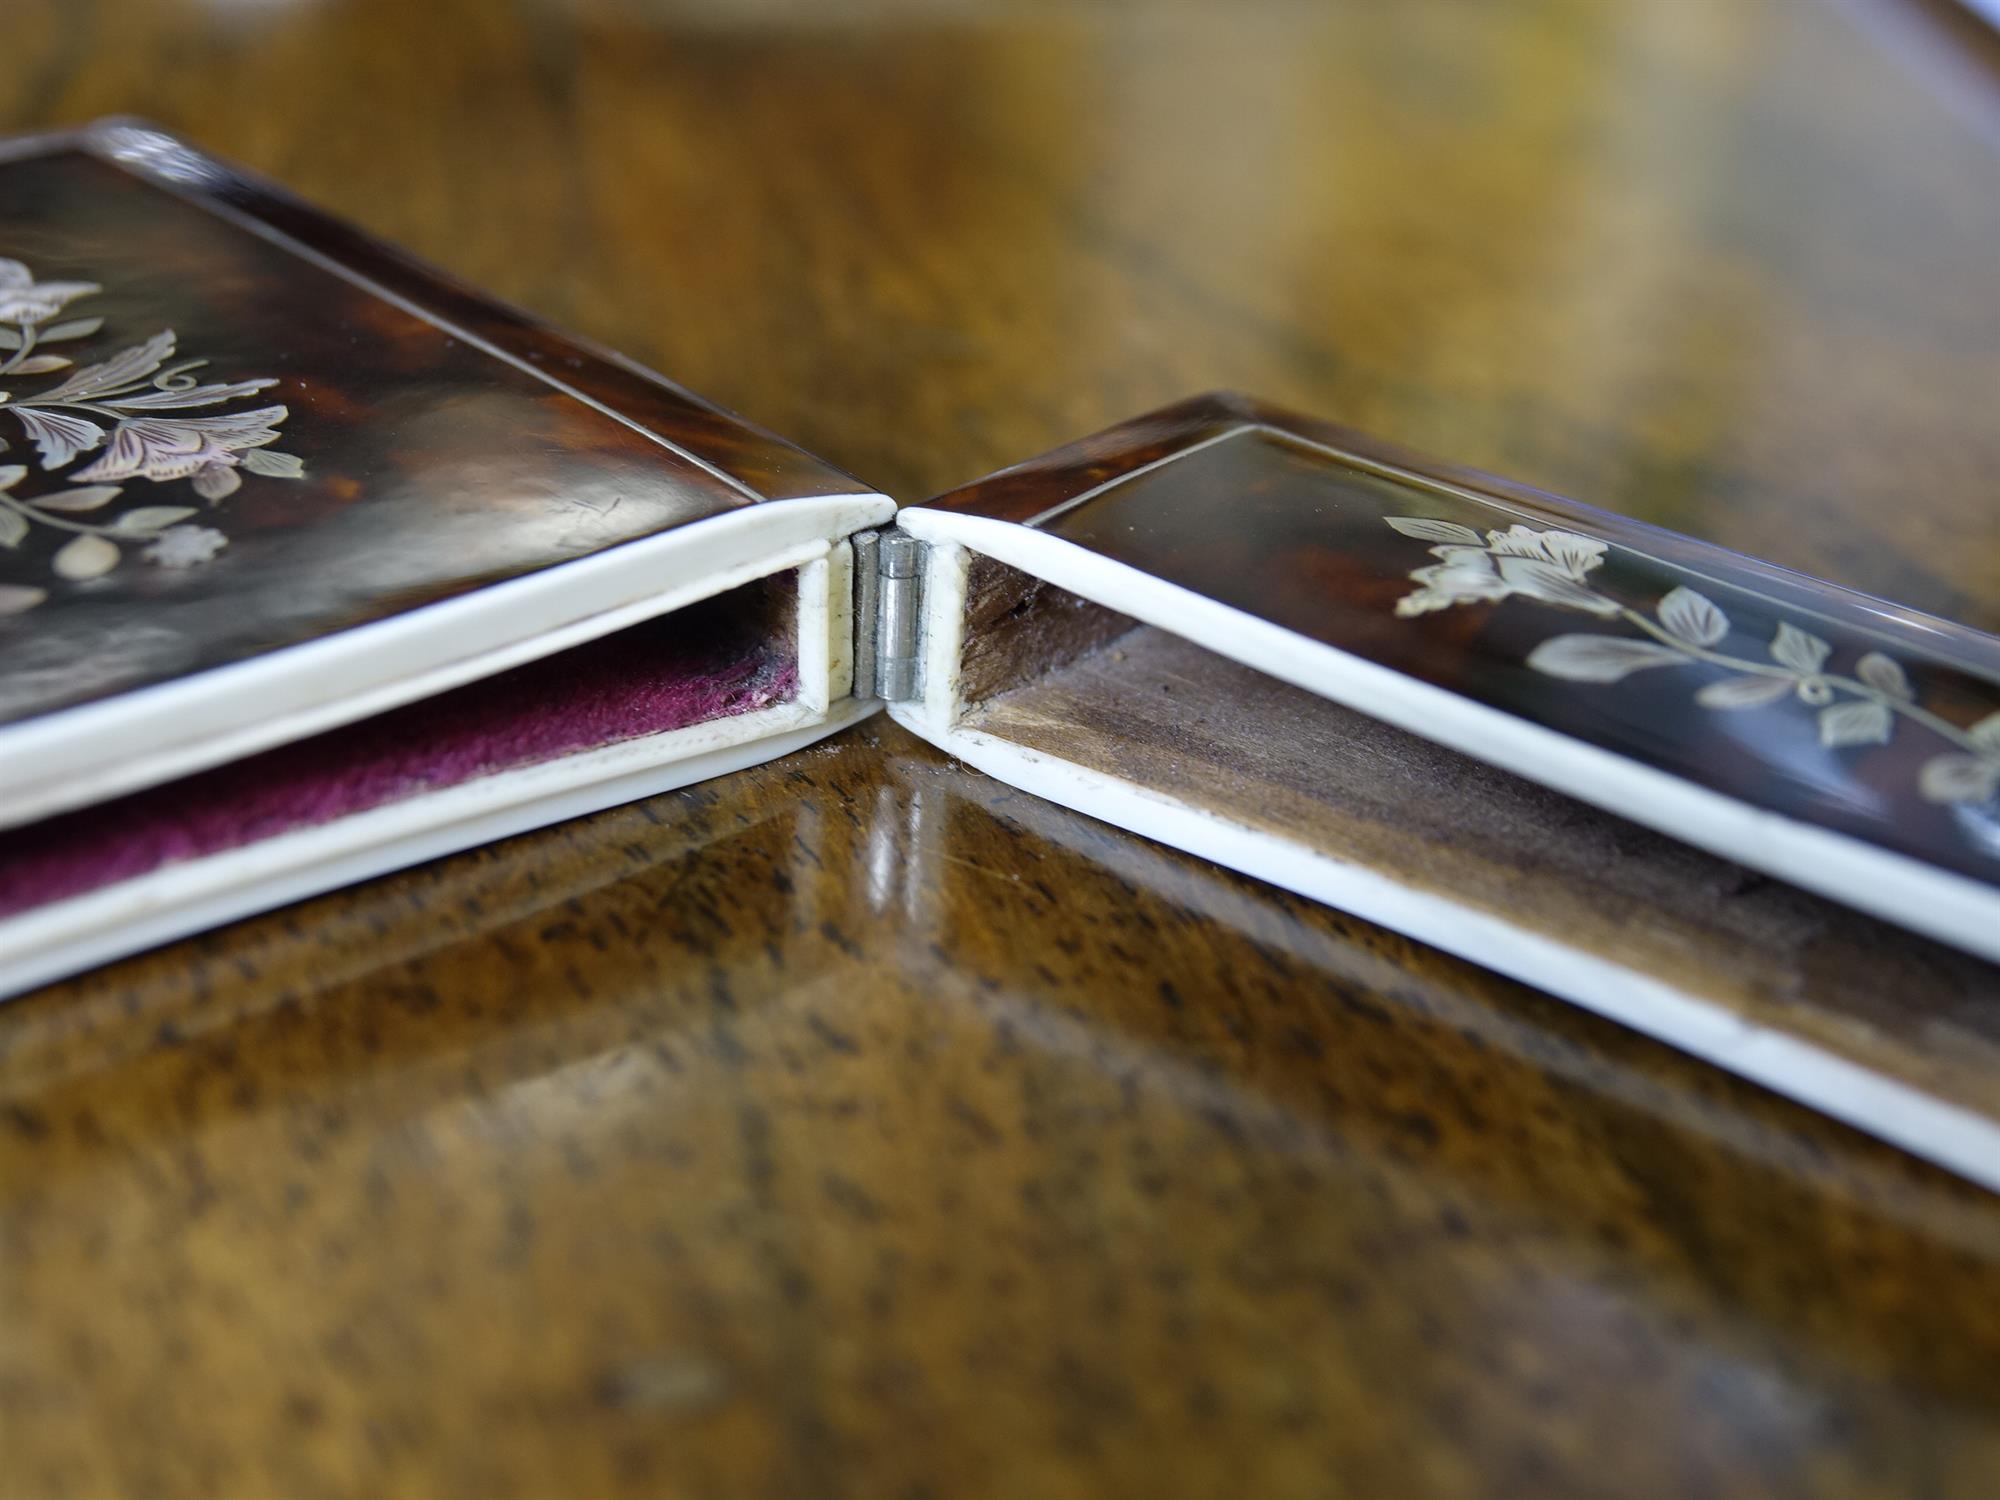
(857, 1126)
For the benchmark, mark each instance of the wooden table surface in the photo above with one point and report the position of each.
(858, 1127)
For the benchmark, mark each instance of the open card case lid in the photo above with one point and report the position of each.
(317, 564)
(1563, 744)
(304, 544)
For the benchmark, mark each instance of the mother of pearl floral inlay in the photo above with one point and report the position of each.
(1861, 707)
(136, 411)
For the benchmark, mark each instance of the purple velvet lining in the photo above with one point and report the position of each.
(708, 662)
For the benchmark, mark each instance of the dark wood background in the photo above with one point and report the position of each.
(857, 1127)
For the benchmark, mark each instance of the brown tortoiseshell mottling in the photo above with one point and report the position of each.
(432, 465)
(1283, 516)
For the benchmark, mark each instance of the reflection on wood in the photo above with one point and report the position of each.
(1154, 711)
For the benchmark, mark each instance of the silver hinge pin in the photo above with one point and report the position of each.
(899, 618)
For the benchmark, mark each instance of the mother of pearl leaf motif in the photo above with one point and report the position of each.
(1861, 707)
(144, 415)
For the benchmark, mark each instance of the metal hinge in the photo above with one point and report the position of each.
(888, 614)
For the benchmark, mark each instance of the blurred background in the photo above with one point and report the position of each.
(1727, 265)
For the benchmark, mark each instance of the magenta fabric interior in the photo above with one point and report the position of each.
(713, 660)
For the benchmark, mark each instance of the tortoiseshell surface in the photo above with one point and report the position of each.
(432, 465)
(1289, 519)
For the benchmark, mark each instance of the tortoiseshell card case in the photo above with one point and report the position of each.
(316, 564)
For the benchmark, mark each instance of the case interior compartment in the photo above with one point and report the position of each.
(731, 655)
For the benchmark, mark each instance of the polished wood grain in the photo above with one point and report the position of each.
(856, 1126)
